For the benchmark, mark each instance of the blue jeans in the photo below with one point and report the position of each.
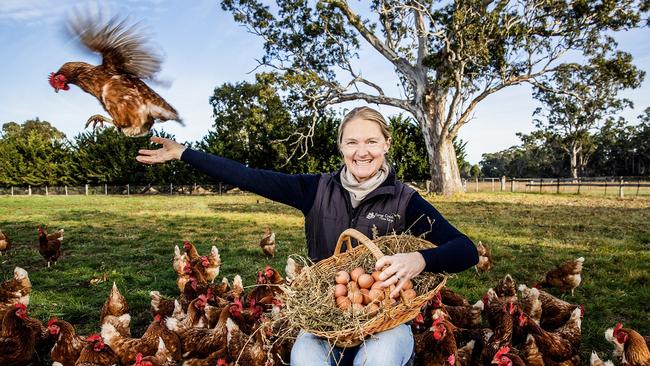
(393, 347)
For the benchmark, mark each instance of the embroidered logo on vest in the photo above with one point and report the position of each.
(382, 216)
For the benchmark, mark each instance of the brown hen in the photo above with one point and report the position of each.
(117, 82)
(565, 277)
(50, 245)
(635, 349)
(15, 290)
(17, 339)
(559, 345)
(484, 258)
(114, 305)
(5, 243)
(68, 344)
(201, 342)
(96, 353)
(268, 243)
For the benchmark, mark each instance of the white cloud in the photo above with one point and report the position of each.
(43, 12)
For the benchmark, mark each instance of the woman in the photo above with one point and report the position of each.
(362, 194)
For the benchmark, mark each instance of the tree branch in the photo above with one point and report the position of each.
(422, 36)
(375, 99)
(399, 62)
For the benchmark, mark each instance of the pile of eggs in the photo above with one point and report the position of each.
(362, 292)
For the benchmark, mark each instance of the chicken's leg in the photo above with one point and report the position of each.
(98, 118)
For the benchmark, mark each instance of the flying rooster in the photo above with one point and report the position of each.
(117, 83)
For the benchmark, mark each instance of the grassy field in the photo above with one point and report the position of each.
(130, 240)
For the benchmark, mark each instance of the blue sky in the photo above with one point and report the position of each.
(205, 48)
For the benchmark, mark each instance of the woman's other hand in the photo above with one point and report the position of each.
(399, 268)
(170, 150)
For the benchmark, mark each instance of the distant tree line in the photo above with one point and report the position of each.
(253, 124)
(618, 148)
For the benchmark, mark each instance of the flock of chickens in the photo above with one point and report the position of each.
(221, 324)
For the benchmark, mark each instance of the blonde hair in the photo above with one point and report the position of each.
(368, 114)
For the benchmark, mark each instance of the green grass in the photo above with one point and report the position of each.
(130, 240)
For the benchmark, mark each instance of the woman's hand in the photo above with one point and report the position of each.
(399, 268)
(170, 150)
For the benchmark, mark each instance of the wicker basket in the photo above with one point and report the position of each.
(390, 316)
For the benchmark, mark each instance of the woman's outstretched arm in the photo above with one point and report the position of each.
(296, 190)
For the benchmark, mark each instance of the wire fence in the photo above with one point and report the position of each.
(605, 186)
(120, 189)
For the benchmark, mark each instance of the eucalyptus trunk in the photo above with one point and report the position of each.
(443, 165)
(575, 150)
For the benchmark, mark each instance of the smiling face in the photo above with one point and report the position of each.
(363, 146)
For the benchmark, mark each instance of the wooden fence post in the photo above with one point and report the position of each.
(541, 181)
(47, 193)
(105, 189)
(12, 190)
(620, 188)
(605, 186)
(30, 190)
(66, 190)
(476, 184)
(492, 179)
(512, 185)
(128, 189)
(171, 189)
(557, 191)
(638, 186)
(86, 189)
(503, 183)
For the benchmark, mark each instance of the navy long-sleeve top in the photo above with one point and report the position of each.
(455, 252)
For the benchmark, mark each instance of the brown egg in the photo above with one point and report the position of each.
(356, 273)
(365, 281)
(375, 295)
(375, 275)
(342, 277)
(407, 285)
(353, 286)
(340, 290)
(366, 296)
(343, 303)
(377, 285)
(356, 297)
(409, 294)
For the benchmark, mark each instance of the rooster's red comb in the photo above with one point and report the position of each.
(22, 306)
(52, 321)
(617, 328)
(502, 351)
(93, 338)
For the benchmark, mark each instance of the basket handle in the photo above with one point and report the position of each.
(356, 234)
